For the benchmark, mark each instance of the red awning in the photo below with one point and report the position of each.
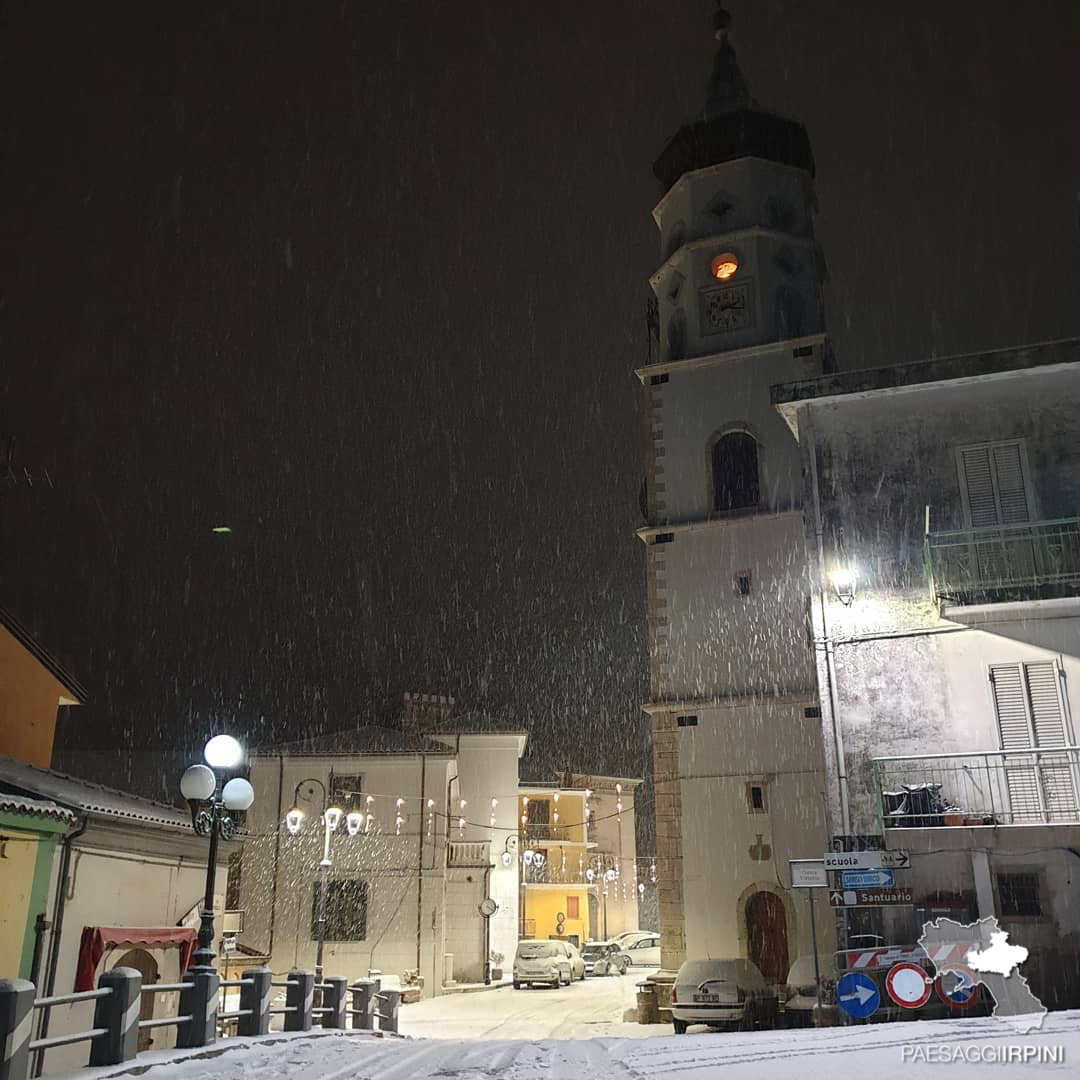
(97, 939)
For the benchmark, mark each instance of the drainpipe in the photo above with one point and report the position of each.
(277, 854)
(487, 932)
(806, 426)
(420, 863)
(54, 941)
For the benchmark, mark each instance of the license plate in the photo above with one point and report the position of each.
(707, 999)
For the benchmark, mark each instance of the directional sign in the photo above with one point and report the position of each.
(870, 898)
(808, 874)
(867, 879)
(858, 995)
(866, 860)
(908, 985)
(957, 987)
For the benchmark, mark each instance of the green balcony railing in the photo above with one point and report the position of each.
(1037, 786)
(1033, 560)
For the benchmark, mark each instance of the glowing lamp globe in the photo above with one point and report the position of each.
(354, 822)
(198, 783)
(723, 267)
(332, 817)
(223, 752)
(237, 794)
(294, 819)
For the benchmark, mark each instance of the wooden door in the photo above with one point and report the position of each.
(766, 935)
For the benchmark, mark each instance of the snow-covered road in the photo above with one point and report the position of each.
(882, 1051)
(581, 1010)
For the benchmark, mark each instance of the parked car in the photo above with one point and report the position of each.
(799, 995)
(628, 937)
(604, 958)
(644, 952)
(542, 962)
(722, 993)
(577, 961)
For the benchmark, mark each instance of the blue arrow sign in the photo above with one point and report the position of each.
(867, 879)
(857, 994)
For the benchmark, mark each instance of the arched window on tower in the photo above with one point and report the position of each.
(735, 472)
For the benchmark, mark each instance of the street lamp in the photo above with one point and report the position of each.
(331, 817)
(208, 799)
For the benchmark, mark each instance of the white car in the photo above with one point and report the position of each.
(542, 962)
(577, 961)
(645, 952)
(604, 958)
(800, 992)
(628, 937)
(722, 993)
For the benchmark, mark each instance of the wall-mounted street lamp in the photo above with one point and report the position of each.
(844, 581)
(209, 796)
(332, 817)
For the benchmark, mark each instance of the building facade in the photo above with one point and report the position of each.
(733, 704)
(580, 876)
(405, 890)
(941, 509)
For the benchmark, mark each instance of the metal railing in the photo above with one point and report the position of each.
(1039, 786)
(539, 832)
(467, 853)
(1004, 562)
(114, 1031)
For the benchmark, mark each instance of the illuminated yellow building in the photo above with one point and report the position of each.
(578, 864)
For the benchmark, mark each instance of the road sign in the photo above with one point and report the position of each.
(957, 987)
(808, 874)
(867, 879)
(871, 898)
(866, 860)
(908, 985)
(858, 995)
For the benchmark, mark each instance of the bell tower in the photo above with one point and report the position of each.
(737, 307)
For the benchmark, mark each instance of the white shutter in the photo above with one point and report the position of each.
(1014, 728)
(1048, 723)
(1009, 481)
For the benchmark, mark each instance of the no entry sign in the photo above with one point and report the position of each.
(908, 985)
(957, 987)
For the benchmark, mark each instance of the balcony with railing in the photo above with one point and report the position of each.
(1037, 786)
(1035, 560)
(542, 833)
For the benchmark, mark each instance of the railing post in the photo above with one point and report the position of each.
(299, 996)
(363, 1002)
(119, 1015)
(389, 1002)
(200, 1002)
(16, 1022)
(255, 998)
(333, 998)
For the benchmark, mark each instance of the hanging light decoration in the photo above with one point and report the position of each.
(461, 819)
(430, 816)
(652, 872)
(369, 817)
(494, 803)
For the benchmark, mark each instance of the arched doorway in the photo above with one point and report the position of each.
(766, 935)
(146, 965)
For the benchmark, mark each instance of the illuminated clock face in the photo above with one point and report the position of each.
(726, 308)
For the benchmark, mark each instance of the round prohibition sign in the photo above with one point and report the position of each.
(908, 985)
(957, 987)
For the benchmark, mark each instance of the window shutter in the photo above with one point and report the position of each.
(1009, 478)
(979, 483)
(1048, 722)
(1014, 728)
(1011, 708)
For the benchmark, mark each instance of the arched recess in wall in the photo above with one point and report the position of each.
(676, 334)
(733, 465)
(790, 313)
(766, 908)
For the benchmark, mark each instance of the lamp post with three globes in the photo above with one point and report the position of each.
(210, 795)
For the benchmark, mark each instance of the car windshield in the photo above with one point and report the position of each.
(537, 950)
(594, 950)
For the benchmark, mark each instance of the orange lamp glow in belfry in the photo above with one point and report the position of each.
(723, 267)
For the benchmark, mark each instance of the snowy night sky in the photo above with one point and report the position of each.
(365, 282)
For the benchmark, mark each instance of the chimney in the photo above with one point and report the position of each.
(425, 714)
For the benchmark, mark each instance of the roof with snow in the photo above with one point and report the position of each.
(94, 800)
(20, 804)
